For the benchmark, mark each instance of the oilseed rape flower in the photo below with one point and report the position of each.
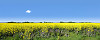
(31, 28)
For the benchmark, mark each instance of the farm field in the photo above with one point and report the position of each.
(50, 31)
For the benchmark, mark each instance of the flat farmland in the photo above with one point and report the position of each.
(50, 31)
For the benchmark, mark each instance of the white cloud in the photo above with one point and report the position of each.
(28, 11)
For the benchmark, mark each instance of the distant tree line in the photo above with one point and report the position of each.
(74, 22)
(20, 22)
(67, 22)
(49, 22)
(85, 22)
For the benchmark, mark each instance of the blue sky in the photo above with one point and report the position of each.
(50, 10)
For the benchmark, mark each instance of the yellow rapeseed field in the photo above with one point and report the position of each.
(18, 27)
